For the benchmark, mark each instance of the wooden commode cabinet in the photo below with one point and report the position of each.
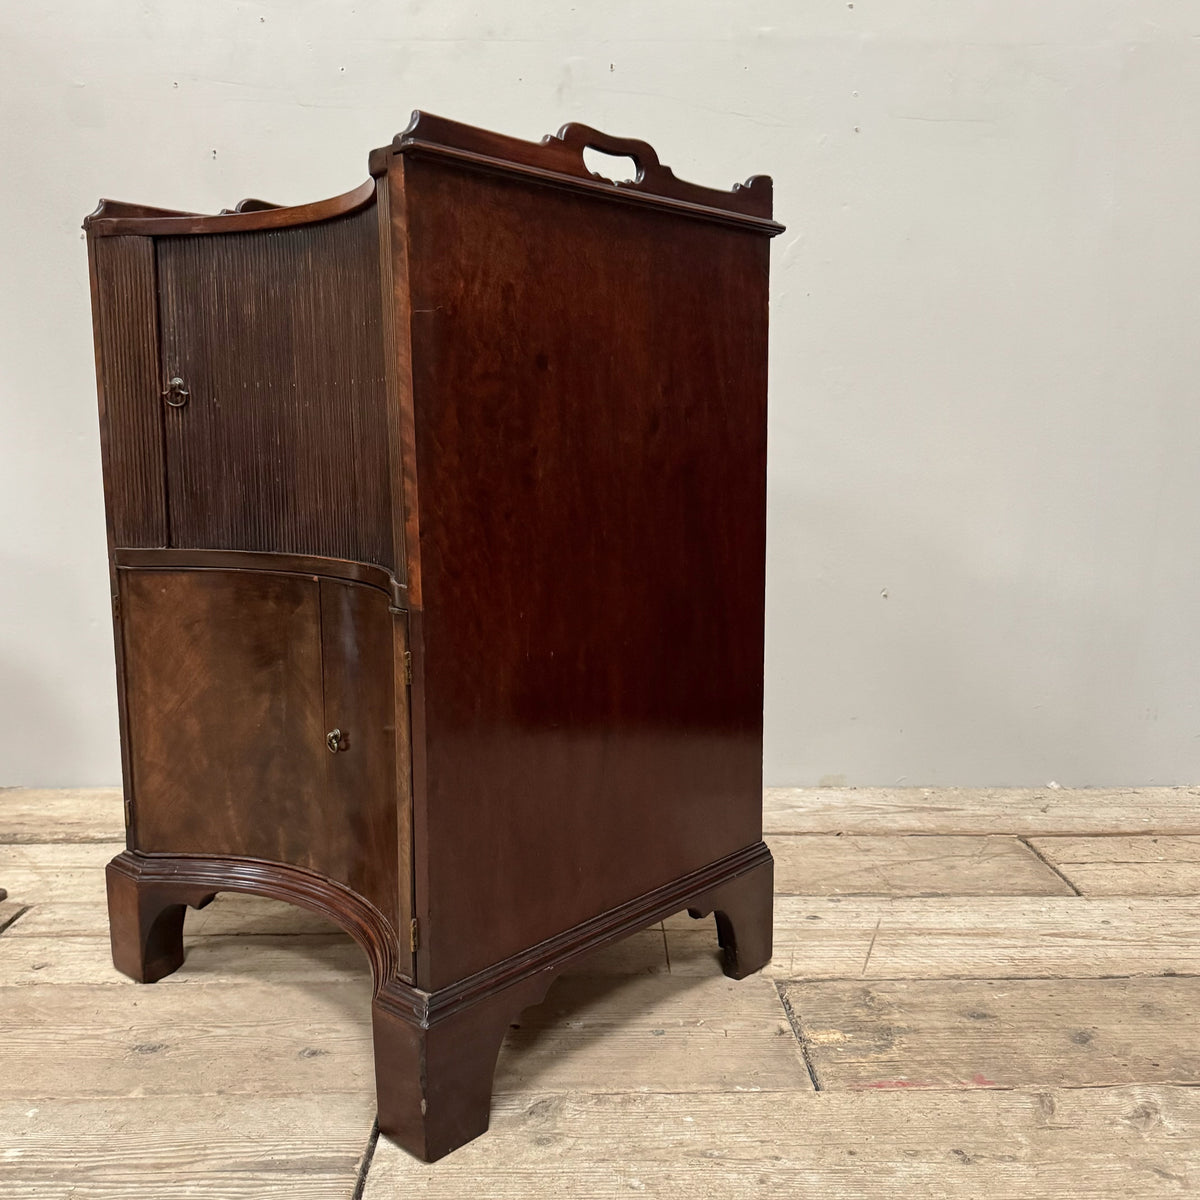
(436, 521)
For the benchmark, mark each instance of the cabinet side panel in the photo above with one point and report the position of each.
(126, 320)
(283, 442)
(589, 388)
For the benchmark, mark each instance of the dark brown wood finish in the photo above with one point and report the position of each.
(591, 550)
(130, 416)
(277, 338)
(226, 711)
(115, 217)
(441, 575)
(366, 815)
(557, 160)
(234, 681)
(251, 560)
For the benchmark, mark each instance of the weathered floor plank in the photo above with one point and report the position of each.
(815, 937)
(64, 886)
(10, 911)
(1009, 1033)
(94, 814)
(1126, 866)
(996, 937)
(315, 958)
(921, 865)
(1100, 1144)
(220, 959)
(683, 1083)
(269, 1038)
(61, 815)
(66, 871)
(657, 1034)
(593, 1033)
(1018, 811)
(169, 1147)
(230, 913)
(68, 875)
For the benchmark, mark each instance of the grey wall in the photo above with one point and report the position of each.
(984, 440)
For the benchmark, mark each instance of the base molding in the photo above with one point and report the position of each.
(435, 1051)
(557, 953)
(184, 873)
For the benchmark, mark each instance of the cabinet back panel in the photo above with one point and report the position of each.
(283, 442)
(589, 391)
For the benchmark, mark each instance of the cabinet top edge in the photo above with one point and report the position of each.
(117, 217)
(558, 159)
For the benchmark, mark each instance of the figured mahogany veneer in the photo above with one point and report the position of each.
(436, 521)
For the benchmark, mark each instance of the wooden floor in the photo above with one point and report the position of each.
(974, 993)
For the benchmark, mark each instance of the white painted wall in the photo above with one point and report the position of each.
(985, 440)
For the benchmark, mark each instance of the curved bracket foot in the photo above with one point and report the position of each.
(433, 1070)
(145, 921)
(744, 911)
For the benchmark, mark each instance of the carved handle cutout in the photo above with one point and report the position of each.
(594, 147)
(616, 168)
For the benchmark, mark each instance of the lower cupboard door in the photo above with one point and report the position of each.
(227, 678)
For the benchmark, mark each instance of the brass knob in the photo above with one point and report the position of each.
(334, 740)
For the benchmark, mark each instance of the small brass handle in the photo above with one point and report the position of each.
(176, 394)
(334, 740)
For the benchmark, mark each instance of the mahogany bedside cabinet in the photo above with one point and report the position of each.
(436, 524)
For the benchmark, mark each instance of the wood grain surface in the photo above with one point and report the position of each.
(966, 1041)
(999, 1033)
(1147, 865)
(1052, 1144)
(926, 865)
(309, 958)
(43, 815)
(277, 336)
(993, 937)
(1018, 811)
(615, 589)
(176, 1147)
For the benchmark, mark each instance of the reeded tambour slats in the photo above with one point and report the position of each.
(128, 377)
(277, 336)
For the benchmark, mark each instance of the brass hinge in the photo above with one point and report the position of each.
(128, 812)
(408, 667)
(414, 935)
(116, 603)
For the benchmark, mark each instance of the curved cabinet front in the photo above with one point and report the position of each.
(261, 722)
